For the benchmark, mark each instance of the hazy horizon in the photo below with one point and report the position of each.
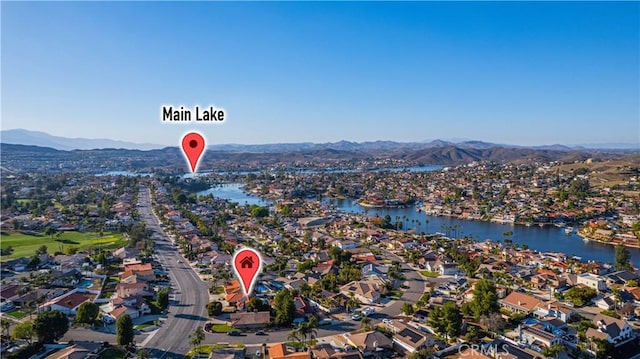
(451, 140)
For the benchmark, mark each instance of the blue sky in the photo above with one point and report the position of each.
(509, 72)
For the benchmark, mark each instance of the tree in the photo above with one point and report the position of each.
(452, 318)
(365, 323)
(24, 330)
(553, 351)
(485, 299)
(493, 322)
(622, 258)
(87, 313)
(284, 308)
(51, 326)
(446, 320)
(580, 296)
(42, 250)
(5, 324)
(163, 298)
(407, 309)
(214, 308)
(196, 337)
(256, 304)
(258, 211)
(34, 262)
(124, 330)
(143, 354)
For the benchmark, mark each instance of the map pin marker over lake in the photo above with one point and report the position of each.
(247, 264)
(193, 145)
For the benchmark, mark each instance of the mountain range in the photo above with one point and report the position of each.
(42, 139)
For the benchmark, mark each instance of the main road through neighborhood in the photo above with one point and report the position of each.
(189, 293)
(190, 296)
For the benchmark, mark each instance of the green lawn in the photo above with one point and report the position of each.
(25, 245)
(18, 314)
(394, 294)
(144, 325)
(112, 353)
(428, 274)
(221, 328)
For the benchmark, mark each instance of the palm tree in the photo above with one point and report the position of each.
(294, 336)
(196, 337)
(365, 323)
(352, 302)
(312, 327)
(29, 309)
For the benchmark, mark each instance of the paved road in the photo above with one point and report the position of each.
(190, 294)
(414, 281)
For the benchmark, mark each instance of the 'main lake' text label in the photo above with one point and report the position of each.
(200, 114)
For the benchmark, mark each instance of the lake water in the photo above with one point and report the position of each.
(233, 193)
(545, 239)
(124, 173)
(548, 238)
(330, 170)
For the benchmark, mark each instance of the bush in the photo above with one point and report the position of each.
(214, 308)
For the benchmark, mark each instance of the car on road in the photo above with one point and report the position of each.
(261, 332)
(325, 322)
(356, 317)
(368, 311)
(234, 333)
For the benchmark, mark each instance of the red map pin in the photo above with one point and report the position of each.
(247, 264)
(193, 145)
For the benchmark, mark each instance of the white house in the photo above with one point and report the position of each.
(616, 331)
(604, 302)
(592, 281)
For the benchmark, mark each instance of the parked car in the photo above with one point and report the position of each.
(356, 317)
(325, 322)
(261, 332)
(234, 333)
(368, 311)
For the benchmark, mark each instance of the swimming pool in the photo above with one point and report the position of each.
(262, 288)
(86, 283)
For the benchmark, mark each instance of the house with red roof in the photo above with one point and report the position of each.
(69, 302)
